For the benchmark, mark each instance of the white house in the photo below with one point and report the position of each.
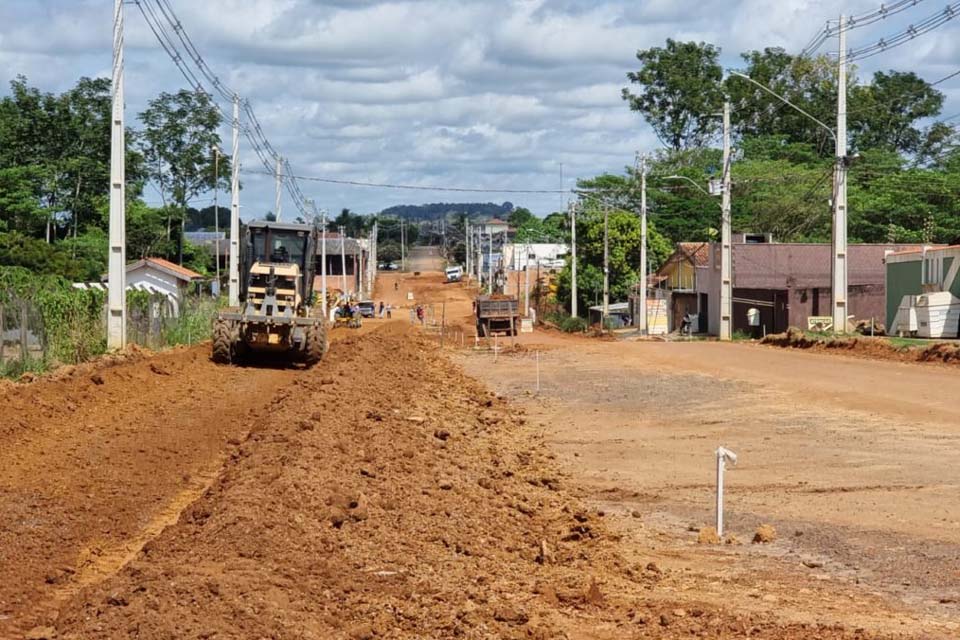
(547, 255)
(156, 276)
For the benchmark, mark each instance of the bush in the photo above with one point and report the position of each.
(567, 324)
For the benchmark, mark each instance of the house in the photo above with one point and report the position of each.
(158, 277)
(532, 254)
(789, 283)
(678, 275)
(495, 227)
(346, 261)
(915, 271)
(618, 314)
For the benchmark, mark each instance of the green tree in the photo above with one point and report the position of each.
(624, 243)
(180, 132)
(681, 92)
(887, 112)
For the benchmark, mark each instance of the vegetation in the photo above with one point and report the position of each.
(440, 210)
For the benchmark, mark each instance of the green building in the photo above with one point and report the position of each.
(917, 271)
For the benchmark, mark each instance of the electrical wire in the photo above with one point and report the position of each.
(409, 187)
(158, 12)
(856, 22)
(902, 37)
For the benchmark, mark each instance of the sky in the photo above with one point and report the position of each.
(482, 94)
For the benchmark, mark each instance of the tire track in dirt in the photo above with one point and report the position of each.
(97, 460)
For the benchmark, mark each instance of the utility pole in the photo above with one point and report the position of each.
(216, 210)
(117, 261)
(573, 254)
(234, 272)
(643, 245)
(467, 242)
(838, 296)
(726, 250)
(403, 249)
(276, 206)
(343, 262)
(323, 261)
(606, 265)
(490, 263)
(526, 282)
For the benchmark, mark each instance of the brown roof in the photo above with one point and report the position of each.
(697, 252)
(165, 265)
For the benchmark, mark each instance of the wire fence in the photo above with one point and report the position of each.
(31, 343)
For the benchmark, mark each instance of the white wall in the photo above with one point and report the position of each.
(154, 277)
(518, 253)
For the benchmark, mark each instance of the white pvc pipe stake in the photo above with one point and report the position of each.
(723, 455)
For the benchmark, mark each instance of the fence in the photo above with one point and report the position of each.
(69, 327)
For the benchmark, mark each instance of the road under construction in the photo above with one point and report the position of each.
(401, 489)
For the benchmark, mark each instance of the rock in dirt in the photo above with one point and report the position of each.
(764, 534)
(708, 535)
(96, 379)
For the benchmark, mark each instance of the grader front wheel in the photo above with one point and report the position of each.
(222, 342)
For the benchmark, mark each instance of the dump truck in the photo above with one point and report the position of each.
(497, 314)
(276, 313)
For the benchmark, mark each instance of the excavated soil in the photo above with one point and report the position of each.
(381, 494)
(863, 347)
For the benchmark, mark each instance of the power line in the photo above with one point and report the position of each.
(158, 12)
(409, 187)
(913, 31)
(856, 22)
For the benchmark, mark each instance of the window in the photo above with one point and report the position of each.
(932, 270)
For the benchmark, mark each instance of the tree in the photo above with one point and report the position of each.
(681, 92)
(887, 112)
(808, 83)
(624, 243)
(180, 131)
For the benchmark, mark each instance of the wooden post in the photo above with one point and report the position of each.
(1, 334)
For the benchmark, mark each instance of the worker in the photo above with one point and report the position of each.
(381, 309)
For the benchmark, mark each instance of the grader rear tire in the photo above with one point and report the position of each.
(222, 342)
(317, 345)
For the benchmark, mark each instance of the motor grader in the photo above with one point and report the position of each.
(276, 313)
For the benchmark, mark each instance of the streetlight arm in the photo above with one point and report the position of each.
(785, 101)
(691, 181)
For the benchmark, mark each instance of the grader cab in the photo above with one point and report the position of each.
(276, 313)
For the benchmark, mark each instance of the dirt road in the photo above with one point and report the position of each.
(852, 461)
(387, 494)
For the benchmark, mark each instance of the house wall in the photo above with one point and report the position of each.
(904, 276)
(147, 275)
(681, 274)
(518, 254)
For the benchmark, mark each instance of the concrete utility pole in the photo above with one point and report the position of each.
(643, 245)
(572, 207)
(343, 262)
(276, 206)
(403, 249)
(216, 210)
(490, 265)
(117, 260)
(467, 256)
(526, 282)
(323, 261)
(839, 266)
(606, 264)
(726, 250)
(234, 273)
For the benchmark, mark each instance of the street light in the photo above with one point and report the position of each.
(838, 278)
(691, 181)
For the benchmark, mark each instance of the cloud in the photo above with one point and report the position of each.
(473, 93)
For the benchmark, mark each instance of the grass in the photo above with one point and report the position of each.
(909, 343)
(13, 369)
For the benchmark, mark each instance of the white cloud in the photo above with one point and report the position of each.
(477, 93)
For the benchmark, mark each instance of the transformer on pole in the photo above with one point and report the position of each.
(117, 260)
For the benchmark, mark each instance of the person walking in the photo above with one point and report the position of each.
(381, 309)
(389, 311)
